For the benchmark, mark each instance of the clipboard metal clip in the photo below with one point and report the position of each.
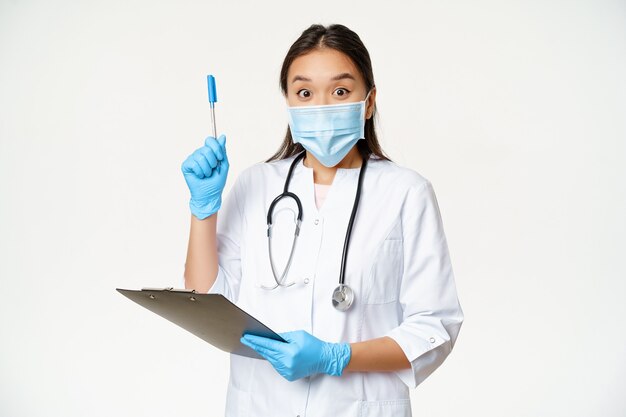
(192, 291)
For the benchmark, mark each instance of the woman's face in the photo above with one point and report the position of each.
(326, 76)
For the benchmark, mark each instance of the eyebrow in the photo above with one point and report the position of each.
(342, 76)
(299, 78)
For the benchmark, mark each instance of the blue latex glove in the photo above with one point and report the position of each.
(302, 355)
(205, 178)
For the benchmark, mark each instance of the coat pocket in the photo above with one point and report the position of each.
(383, 283)
(387, 408)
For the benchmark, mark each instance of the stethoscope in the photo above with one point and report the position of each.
(343, 296)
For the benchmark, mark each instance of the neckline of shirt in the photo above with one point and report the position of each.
(340, 171)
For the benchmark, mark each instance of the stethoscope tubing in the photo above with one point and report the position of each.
(343, 295)
(346, 243)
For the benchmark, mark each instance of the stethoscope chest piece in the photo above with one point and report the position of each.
(343, 296)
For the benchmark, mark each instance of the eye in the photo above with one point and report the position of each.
(304, 93)
(341, 92)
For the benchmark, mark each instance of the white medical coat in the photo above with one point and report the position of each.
(398, 266)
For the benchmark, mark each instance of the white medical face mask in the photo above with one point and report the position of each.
(328, 131)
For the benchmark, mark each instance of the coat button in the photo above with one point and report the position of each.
(306, 280)
(432, 340)
(316, 221)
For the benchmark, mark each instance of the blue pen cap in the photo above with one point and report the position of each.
(212, 90)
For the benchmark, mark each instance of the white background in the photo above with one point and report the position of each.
(514, 110)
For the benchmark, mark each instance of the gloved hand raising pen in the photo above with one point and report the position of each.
(205, 178)
(302, 355)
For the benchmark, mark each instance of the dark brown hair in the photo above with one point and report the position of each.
(344, 40)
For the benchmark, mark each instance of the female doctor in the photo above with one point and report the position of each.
(329, 243)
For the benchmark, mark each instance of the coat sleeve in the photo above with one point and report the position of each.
(229, 229)
(431, 313)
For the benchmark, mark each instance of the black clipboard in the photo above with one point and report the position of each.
(211, 317)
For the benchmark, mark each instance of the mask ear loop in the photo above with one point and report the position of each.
(366, 97)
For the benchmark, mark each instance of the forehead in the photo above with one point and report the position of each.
(322, 64)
